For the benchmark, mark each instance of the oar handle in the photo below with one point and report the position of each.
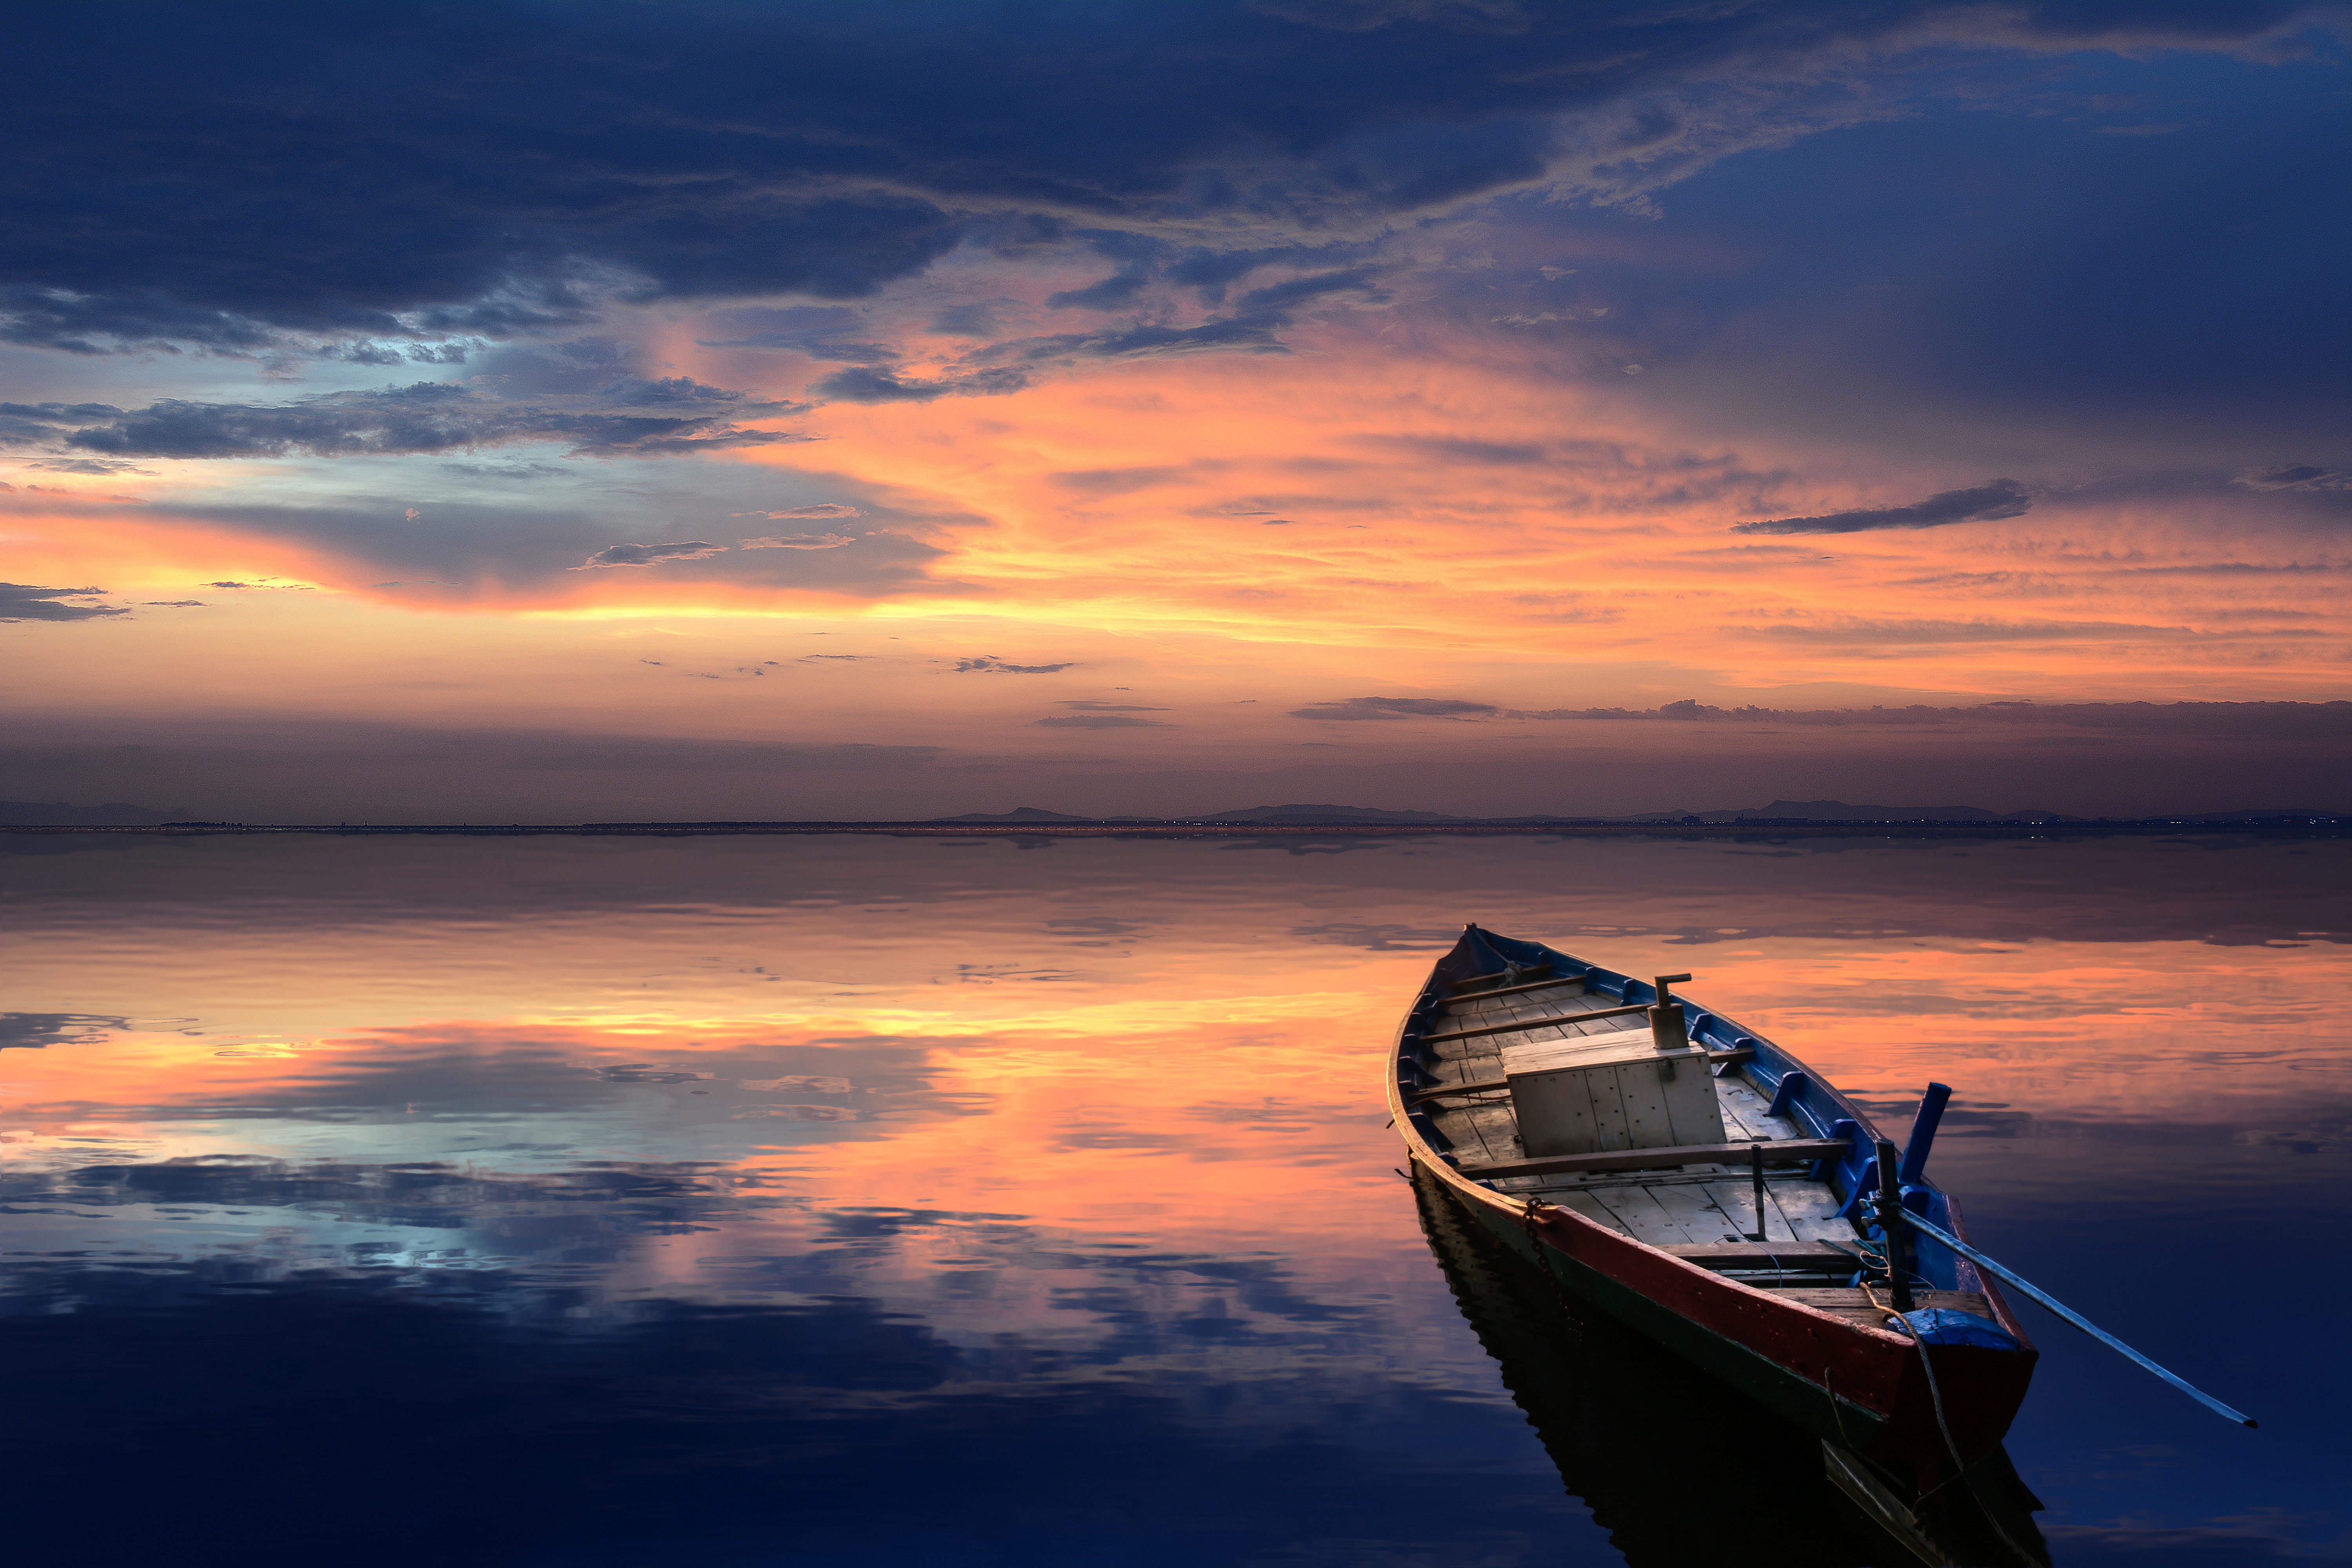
(2072, 1316)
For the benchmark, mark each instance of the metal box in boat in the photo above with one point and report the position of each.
(1597, 1092)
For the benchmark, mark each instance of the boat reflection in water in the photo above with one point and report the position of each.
(1681, 1468)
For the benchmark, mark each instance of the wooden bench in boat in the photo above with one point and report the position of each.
(1777, 1152)
(1447, 1091)
(1553, 1022)
(1517, 990)
(1482, 1086)
(1805, 1255)
(1524, 970)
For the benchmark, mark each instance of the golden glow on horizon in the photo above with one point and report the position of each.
(1467, 526)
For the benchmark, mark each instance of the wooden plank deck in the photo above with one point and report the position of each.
(1699, 1205)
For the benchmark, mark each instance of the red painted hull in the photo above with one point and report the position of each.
(1862, 1388)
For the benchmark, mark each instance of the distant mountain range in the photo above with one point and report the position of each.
(1780, 811)
(57, 814)
(1838, 811)
(118, 814)
(1330, 813)
(1300, 814)
(1017, 815)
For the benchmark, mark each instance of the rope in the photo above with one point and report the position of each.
(1535, 1240)
(1935, 1393)
(1873, 1255)
(1837, 1411)
(1876, 1253)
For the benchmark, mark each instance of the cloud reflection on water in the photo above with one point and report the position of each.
(708, 1197)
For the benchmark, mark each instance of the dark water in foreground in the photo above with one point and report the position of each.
(715, 1201)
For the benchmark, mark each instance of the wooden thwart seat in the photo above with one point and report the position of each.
(1445, 1090)
(1485, 1085)
(1524, 970)
(1517, 990)
(1518, 1024)
(1777, 1152)
(1792, 1255)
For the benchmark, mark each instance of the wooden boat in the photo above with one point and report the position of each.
(1607, 1405)
(1788, 1299)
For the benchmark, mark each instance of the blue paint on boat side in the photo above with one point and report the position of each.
(1790, 1086)
(1923, 1134)
(1943, 1326)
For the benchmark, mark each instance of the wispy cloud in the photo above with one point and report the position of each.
(2305, 721)
(823, 508)
(650, 555)
(425, 417)
(88, 466)
(2295, 477)
(863, 384)
(24, 602)
(1396, 708)
(989, 664)
(1866, 632)
(1986, 503)
(800, 541)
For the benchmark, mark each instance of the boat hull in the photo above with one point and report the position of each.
(1854, 1383)
(1865, 1392)
(1607, 1403)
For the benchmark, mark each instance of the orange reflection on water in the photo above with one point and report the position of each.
(1100, 1119)
(1139, 1047)
(1148, 1036)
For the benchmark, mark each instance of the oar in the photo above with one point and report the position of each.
(2073, 1317)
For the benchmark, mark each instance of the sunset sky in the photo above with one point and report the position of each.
(564, 412)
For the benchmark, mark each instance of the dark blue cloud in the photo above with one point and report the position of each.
(185, 174)
(1136, 258)
(427, 417)
(863, 383)
(1985, 503)
(1254, 326)
(425, 544)
(24, 602)
(2019, 273)
(39, 424)
(1146, 340)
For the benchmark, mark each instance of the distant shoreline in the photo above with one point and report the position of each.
(2313, 825)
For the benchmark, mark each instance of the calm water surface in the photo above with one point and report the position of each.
(748, 1201)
